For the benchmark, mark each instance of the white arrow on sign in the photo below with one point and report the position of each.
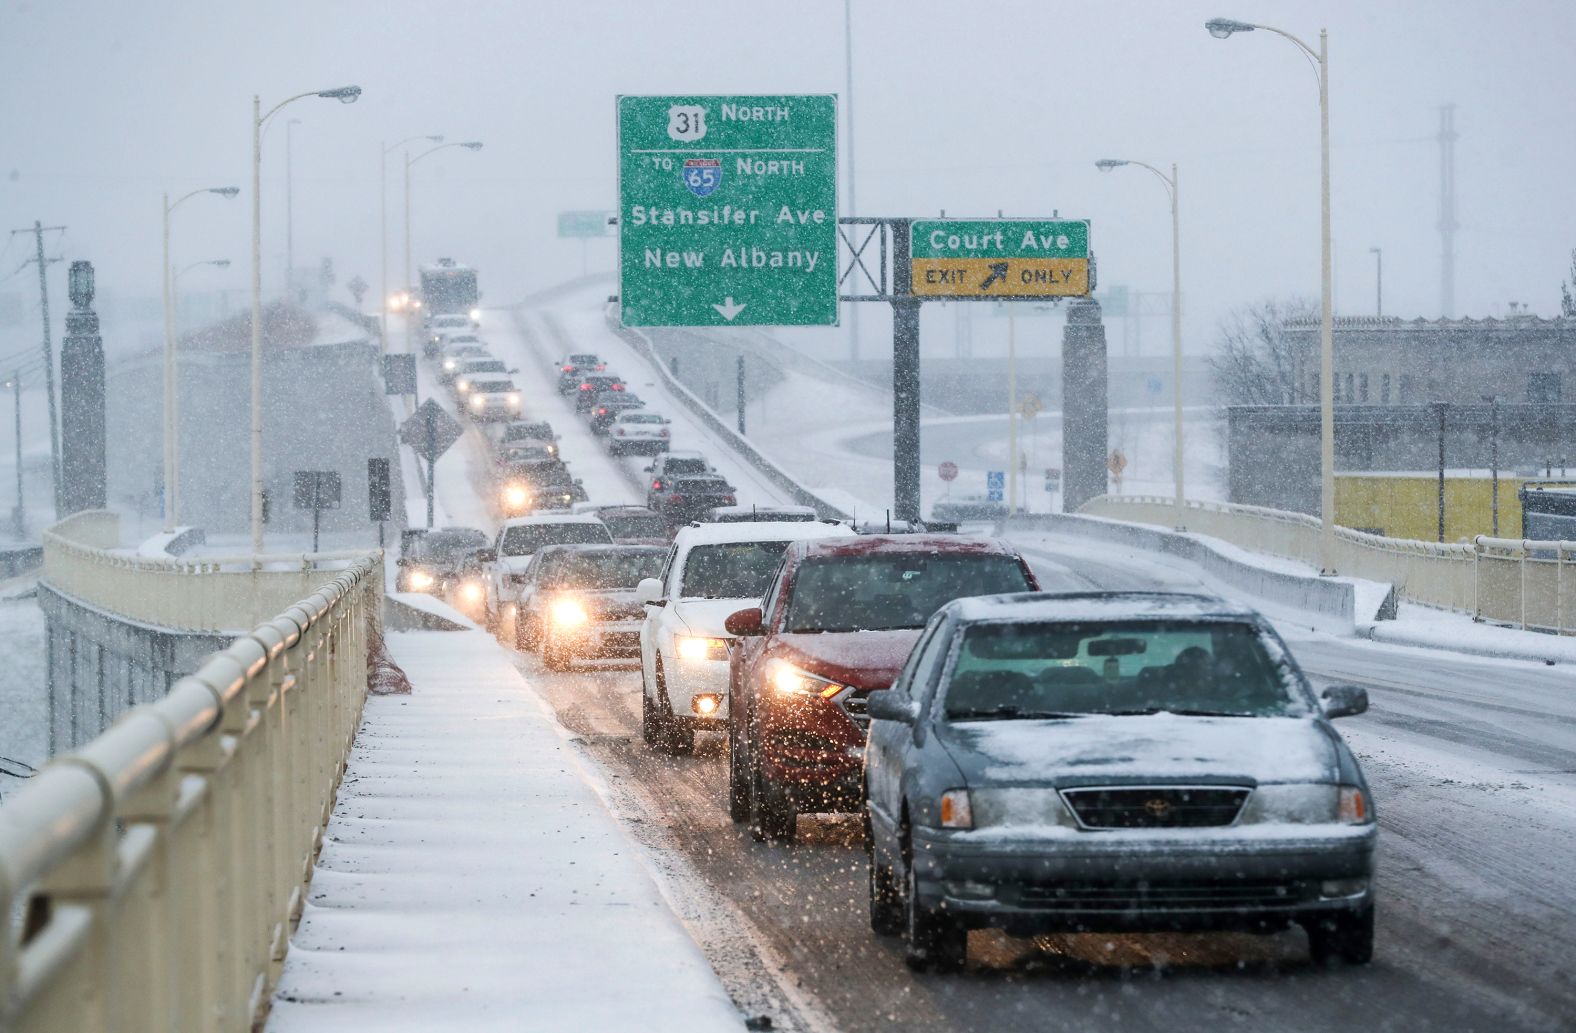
(728, 310)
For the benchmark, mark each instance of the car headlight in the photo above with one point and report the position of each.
(420, 580)
(471, 592)
(462, 385)
(449, 364)
(516, 497)
(478, 402)
(476, 315)
(956, 813)
(791, 681)
(568, 613)
(514, 399)
(1306, 804)
(695, 647)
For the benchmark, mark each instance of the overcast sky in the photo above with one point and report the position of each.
(969, 108)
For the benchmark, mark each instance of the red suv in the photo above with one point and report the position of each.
(837, 623)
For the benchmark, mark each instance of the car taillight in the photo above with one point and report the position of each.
(601, 412)
(729, 500)
(618, 387)
(585, 387)
(662, 433)
(619, 432)
(675, 498)
(601, 366)
(568, 369)
(656, 485)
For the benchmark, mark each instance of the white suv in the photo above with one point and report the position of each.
(711, 571)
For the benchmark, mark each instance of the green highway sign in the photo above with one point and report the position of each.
(727, 210)
(999, 258)
(582, 224)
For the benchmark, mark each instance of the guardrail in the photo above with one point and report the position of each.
(149, 880)
(738, 442)
(1494, 579)
(209, 593)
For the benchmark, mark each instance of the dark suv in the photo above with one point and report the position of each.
(594, 384)
(572, 367)
(606, 406)
(837, 623)
(690, 498)
(664, 469)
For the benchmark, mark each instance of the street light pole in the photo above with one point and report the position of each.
(1221, 28)
(289, 209)
(171, 458)
(345, 95)
(383, 226)
(470, 145)
(1378, 254)
(1171, 184)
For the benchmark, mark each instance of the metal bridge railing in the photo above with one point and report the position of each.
(149, 881)
(1525, 583)
(210, 593)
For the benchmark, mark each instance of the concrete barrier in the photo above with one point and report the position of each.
(1331, 598)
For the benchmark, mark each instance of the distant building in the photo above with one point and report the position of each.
(1388, 371)
(1391, 361)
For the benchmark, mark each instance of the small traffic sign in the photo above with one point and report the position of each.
(582, 224)
(999, 258)
(995, 485)
(1030, 407)
(1116, 463)
(430, 431)
(728, 211)
(948, 471)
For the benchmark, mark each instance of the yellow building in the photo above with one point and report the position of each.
(1406, 505)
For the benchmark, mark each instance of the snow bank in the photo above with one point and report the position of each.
(472, 878)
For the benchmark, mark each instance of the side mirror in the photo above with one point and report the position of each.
(488, 555)
(887, 705)
(645, 469)
(649, 591)
(1344, 700)
(514, 369)
(744, 623)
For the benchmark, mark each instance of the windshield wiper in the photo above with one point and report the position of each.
(996, 713)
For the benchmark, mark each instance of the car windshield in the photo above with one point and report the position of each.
(635, 525)
(734, 570)
(525, 539)
(1012, 670)
(485, 366)
(605, 569)
(884, 591)
(448, 546)
(583, 359)
(640, 417)
(524, 431)
(674, 467)
(492, 386)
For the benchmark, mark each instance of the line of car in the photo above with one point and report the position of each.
(1020, 759)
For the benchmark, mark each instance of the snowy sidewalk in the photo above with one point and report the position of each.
(472, 878)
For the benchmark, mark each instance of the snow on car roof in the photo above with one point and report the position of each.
(906, 544)
(1098, 606)
(762, 531)
(552, 518)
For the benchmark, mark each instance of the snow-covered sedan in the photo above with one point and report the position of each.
(638, 433)
(1102, 762)
(711, 571)
(518, 540)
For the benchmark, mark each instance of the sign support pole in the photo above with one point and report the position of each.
(1012, 412)
(905, 379)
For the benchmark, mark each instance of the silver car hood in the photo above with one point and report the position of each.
(1163, 747)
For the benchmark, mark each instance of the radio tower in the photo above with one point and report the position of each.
(1447, 210)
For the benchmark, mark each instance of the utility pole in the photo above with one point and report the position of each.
(848, 107)
(740, 403)
(38, 230)
(1447, 211)
(18, 515)
(1378, 254)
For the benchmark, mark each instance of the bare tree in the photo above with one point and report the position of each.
(1256, 363)
(1567, 300)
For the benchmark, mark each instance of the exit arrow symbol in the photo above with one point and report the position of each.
(728, 310)
(998, 271)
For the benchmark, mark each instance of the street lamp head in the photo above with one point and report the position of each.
(220, 263)
(344, 94)
(1220, 28)
(224, 191)
(437, 138)
(1107, 164)
(472, 145)
(1375, 250)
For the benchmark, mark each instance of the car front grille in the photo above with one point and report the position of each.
(1155, 807)
(1226, 894)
